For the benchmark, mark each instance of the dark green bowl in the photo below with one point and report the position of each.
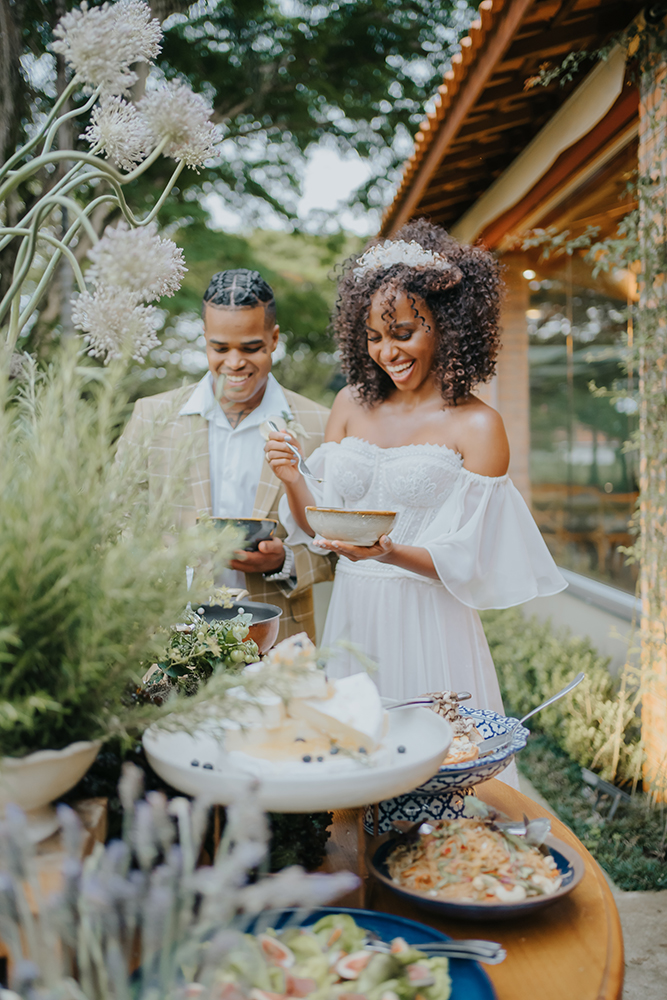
(256, 529)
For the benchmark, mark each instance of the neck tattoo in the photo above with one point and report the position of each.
(236, 416)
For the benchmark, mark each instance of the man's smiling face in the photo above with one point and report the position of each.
(239, 345)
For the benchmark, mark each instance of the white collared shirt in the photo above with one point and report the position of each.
(236, 454)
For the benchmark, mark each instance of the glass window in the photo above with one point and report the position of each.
(584, 481)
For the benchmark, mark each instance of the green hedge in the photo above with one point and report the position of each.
(597, 725)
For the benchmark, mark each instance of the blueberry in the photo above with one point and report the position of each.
(306, 758)
(320, 759)
(401, 749)
(363, 750)
(194, 763)
(208, 767)
(299, 739)
(334, 750)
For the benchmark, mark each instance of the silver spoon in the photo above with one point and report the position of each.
(496, 742)
(301, 465)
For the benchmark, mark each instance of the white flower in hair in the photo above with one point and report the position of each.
(412, 254)
(176, 113)
(112, 321)
(120, 132)
(101, 44)
(137, 260)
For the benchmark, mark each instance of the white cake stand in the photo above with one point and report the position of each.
(304, 787)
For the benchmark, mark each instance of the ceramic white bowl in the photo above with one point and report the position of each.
(33, 782)
(360, 527)
(197, 764)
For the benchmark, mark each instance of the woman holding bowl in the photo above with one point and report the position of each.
(417, 327)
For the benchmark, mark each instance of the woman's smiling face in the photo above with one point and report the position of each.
(402, 337)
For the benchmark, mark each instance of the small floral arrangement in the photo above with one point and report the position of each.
(197, 649)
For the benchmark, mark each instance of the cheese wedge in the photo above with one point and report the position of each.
(353, 717)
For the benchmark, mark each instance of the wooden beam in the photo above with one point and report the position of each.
(450, 181)
(622, 113)
(493, 124)
(579, 30)
(497, 45)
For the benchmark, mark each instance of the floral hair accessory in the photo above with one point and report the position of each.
(383, 255)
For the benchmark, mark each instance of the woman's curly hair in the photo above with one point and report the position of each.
(464, 300)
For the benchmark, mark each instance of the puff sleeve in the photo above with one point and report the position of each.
(486, 547)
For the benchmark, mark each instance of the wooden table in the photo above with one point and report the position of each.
(572, 950)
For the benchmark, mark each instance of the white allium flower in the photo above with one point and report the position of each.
(137, 260)
(102, 43)
(120, 132)
(177, 113)
(111, 319)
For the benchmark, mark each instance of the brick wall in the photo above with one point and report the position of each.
(509, 392)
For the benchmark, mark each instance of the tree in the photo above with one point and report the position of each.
(280, 78)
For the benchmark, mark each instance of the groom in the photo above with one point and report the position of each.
(227, 475)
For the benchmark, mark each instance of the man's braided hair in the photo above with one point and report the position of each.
(240, 288)
(466, 313)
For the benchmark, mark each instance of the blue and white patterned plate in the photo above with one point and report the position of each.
(570, 866)
(443, 795)
(472, 772)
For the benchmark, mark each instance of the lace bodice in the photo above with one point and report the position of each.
(414, 480)
(485, 545)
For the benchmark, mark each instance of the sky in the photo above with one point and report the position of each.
(328, 180)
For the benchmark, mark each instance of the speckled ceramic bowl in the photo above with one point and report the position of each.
(360, 527)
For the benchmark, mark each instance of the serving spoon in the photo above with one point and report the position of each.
(494, 743)
(461, 696)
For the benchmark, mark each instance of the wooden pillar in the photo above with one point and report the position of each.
(651, 332)
(509, 392)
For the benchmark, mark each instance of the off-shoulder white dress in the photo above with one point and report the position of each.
(426, 634)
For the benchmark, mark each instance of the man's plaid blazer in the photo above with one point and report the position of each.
(174, 450)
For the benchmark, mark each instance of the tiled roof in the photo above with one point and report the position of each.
(484, 116)
(469, 47)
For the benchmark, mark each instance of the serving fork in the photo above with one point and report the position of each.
(301, 464)
(494, 743)
(489, 952)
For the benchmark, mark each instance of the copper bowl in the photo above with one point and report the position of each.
(265, 620)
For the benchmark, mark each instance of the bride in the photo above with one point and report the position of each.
(417, 327)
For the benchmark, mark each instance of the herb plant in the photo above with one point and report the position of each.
(86, 579)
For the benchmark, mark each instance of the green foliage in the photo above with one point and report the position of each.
(299, 839)
(597, 724)
(630, 847)
(86, 580)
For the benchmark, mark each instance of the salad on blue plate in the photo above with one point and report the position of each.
(332, 959)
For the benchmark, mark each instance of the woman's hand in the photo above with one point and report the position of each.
(381, 550)
(281, 459)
